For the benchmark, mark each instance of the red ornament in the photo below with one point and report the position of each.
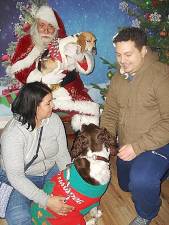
(5, 58)
(154, 3)
(147, 16)
(26, 27)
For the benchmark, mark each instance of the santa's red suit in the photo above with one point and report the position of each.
(72, 95)
(23, 62)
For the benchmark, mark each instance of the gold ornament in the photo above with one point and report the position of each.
(109, 74)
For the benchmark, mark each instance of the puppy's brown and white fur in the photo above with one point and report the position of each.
(90, 154)
(84, 43)
(83, 182)
(87, 41)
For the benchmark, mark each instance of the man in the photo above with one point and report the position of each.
(43, 40)
(136, 113)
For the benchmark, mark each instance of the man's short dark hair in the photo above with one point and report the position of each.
(25, 105)
(132, 34)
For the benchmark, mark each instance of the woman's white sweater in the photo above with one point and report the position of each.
(19, 145)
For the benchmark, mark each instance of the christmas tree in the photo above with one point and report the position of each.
(111, 67)
(153, 17)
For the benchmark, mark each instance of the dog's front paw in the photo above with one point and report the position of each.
(91, 222)
(95, 212)
(99, 213)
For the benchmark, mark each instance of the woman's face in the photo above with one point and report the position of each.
(44, 110)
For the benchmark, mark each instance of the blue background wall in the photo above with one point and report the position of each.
(102, 17)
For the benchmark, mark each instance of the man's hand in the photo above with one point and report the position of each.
(126, 153)
(57, 204)
(53, 77)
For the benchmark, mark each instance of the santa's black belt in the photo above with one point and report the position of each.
(70, 76)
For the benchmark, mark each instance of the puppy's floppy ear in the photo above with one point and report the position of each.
(82, 41)
(106, 138)
(80, 144)
(83, 127)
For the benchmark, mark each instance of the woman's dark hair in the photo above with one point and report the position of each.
(25, 105)
(132, 34)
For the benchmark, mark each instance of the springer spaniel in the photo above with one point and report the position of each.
(84, 181)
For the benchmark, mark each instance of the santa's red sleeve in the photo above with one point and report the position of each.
(23, 59)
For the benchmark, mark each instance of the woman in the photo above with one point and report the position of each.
(32, 109)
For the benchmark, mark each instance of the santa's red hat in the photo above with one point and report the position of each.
(61, 30)
(48, 14)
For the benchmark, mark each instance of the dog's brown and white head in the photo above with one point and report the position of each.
(90, 152)
(87, 41)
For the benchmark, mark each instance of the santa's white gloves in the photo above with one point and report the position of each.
(54, 77)
(74, 51)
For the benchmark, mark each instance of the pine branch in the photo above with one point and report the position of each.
(154, 20)
(38, 3)
(110, 65)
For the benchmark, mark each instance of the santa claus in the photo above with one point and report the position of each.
(45, 35)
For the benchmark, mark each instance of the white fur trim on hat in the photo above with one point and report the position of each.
(46, 13)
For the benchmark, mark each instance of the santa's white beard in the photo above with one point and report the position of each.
(39, 40)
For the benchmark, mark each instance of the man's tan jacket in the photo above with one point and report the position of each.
(137, 111)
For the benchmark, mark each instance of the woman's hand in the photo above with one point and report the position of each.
(57, 205)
